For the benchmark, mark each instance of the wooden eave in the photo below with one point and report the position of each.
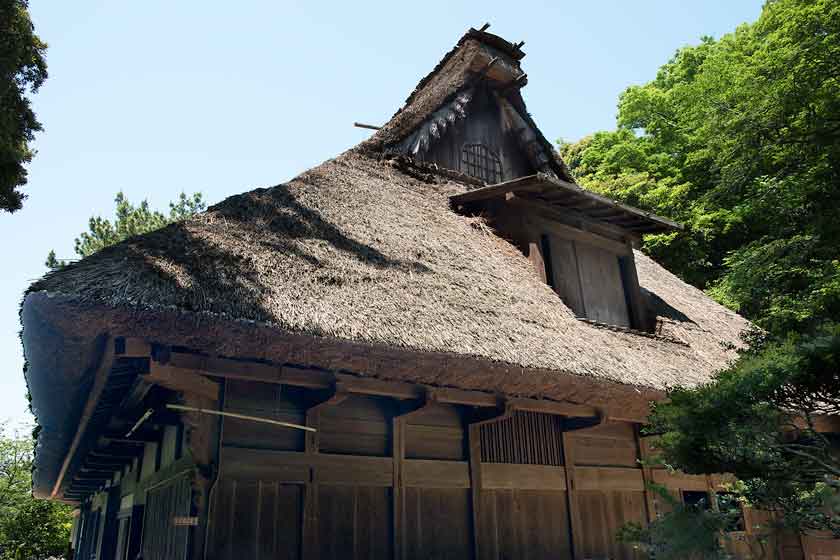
(556, 194)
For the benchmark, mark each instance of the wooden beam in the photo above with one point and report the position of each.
(100, 378)
(530, 183)
(193, 364)
(177, 379)
(546, 184)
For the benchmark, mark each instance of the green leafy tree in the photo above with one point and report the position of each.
(22, 71)
(758, 421)
(30, 529)
(687, 532)
(739, 138)
(130, 220)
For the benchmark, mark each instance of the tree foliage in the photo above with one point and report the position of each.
(689, 531)
(23, 70)
(758, 421)
(30, 529)
(129, 220)
(739, 139)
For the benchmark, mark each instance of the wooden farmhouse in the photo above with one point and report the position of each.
(435, 345)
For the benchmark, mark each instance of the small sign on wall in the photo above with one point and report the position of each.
(185, 521)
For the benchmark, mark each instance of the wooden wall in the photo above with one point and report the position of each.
(592, 271)
(483, 125)
(389, 479)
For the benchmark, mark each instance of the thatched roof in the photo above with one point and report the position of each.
(361, 265)
(357, 249)
(458, 70)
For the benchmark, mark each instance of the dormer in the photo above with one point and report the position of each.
(468, 117)
(579, 243)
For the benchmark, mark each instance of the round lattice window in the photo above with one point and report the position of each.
(479, 161)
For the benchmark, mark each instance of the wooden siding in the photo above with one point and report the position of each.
(163, 538)
(398, 480)
(256, 519)
(483, 126)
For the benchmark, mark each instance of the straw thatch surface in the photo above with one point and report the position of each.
(451, 76)
(357, 249)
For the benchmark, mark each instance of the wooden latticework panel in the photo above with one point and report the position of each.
(163, 538)
(527, 438)
(478, 161)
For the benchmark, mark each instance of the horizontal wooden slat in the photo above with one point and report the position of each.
(522, 477)
(608, 479)
(602, 451)
(608, 430)
(681, 481)
(354, 471)
(294, 467)
(436, 474)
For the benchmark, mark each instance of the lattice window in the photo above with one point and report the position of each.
(478, 161)
(166, 528)
(528, 438)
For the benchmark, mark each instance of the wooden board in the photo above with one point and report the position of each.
(522, 477)
(529, 524)
(436, 474)
(606, 452)
(354, 522)
(608, 479)
(436, 433)
(360, 425)
(602, 514)
(256, 519)
(603, 288)
(438, 523)
(566, 275)
(264, 400)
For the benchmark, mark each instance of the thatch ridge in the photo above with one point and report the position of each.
(358, 250)
(450, 77)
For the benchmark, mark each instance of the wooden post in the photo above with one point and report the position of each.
(474, 441)
(575, 522)
(398, 454)
(309, 542)
(474, 436)
(647, 474)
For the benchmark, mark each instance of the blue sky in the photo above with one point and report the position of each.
(155, 97)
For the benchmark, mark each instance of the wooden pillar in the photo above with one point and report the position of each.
(310, 542)
(647, 474)
(476, 485)
(575, 522)
(474, 441)
(399, 423)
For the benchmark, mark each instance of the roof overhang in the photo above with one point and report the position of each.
(73, 439)
(559, 195)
